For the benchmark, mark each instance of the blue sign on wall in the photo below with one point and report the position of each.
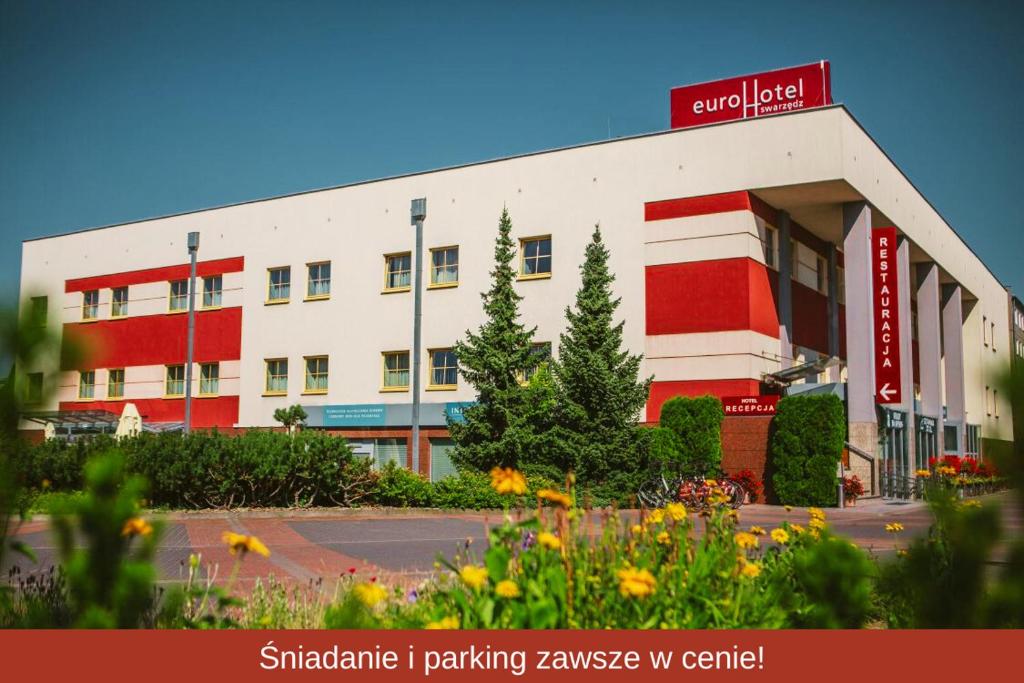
(356, 415)
(453, 411)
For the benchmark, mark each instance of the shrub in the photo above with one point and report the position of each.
(698, 424)
(805, 448)
(397, 486)
(666, 448)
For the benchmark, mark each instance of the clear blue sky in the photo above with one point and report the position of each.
(114, 111)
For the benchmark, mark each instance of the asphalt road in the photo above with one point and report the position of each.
(399, 545)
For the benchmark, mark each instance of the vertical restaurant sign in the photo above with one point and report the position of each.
(886, 318)
(743, 97)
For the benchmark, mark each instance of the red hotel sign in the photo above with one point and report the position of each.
(749, 405)
(887, 319)
(772, 92)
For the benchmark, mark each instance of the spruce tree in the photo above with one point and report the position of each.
(600, 392)
(491, 361)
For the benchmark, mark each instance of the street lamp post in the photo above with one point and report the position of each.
(419, 213)
(193, 249)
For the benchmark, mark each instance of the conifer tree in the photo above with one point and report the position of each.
(600, 392)
(491, 361)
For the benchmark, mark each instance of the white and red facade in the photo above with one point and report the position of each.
(694, 219)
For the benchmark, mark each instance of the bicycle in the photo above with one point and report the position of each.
(694, 492)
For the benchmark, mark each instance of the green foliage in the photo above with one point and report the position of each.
(666, 449)
(600, 394)
(491, 361)
(209, 469)
(805, 448)
(110, 574)
(397, 486)
(697, 422)
(833, 580)
(291, 417)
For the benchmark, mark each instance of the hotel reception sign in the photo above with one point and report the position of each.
(886, 318)
(764, 94)
(749, 405)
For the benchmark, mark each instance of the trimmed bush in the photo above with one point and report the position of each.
(805, 448)
(697, 422)
(396, 486)
(666, 448)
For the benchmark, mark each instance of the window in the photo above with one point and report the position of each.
(995, 403)
(118, 302)
(535, 257)
(115, 383)
(277, 376)
(441, 460)
(984, 330)
(822, 275)
(973, 440)
(209, 379)
(396, 371)
(213, 289)
(90, 304)
(316, 375)
(34, 394)
(319, 282)
(87, 384)
(444, 370)
(539, 353)
(397, 272)
(841, 286)
(38, 311)
(279, 284)
(175, 384)
(988, 406)
(771, 246)
(993, 335)
(444, 267)
(179, 296)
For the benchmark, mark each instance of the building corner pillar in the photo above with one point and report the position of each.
(835, 372)
(785, 291)
(860, 337)
(953, 354)
(906, 349)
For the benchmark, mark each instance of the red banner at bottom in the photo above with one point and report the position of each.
(154, 656)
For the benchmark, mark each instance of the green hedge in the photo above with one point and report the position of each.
(261, 469)
(805, 448)
(697, 422)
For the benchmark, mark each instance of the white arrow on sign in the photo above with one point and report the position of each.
(885, 392)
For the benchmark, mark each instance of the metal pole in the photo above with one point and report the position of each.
(193, 249)
(419, 213)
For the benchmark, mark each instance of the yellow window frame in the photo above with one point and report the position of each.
(306, 374)
(171, 297)
(115, 311)
(111, 394)
(523, 241)
(434, 284)
(431, 386)
(387, 272)
(268, 375)
(93, 307)
(168, 380)
(203, 369)
(270, 273)
(384, 386)
(309, 280)
(82, 384)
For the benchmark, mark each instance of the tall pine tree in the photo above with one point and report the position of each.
(494, 431)
(600, 392)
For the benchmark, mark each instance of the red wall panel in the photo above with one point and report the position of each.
(164, 274)
(153, 340)
(710, 296)
(663, 391)
(221, 411)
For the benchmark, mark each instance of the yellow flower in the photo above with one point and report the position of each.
(924, 474)
(45, 484)
(507, 480)
(796, 528)
(710, 482)
(788, 507)
(507, 589)
(816, 513)
(656, 516)
(549, 540)
(240, 543)
(369, 593)
(136, 526)
(894, 527)
(473, 576)
(751, 570)
(556, 497)
(970, 504)
(745, 540)
(780, 536)
(816, 523)
(677, 511)
(446, 624)
(635, 583)
(757, 530)
(637, 529)
(663, 538)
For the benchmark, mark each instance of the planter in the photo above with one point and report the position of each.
(851, 502)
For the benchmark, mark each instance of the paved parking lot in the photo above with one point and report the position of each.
(396, 545)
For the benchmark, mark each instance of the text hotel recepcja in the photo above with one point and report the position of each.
(751, 243)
